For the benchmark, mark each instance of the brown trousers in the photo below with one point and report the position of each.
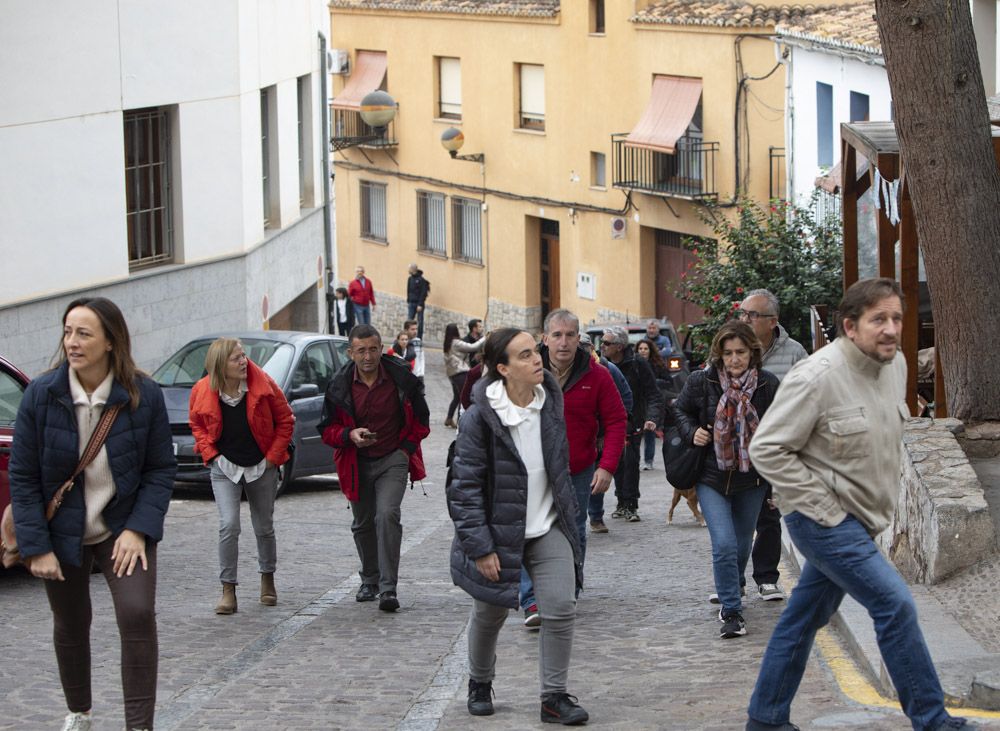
(134, 599)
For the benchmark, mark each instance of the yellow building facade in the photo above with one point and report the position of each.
(586, 188)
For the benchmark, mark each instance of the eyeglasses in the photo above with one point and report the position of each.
(609, 344)
(751, 314)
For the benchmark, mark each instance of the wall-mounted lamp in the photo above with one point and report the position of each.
(378, 109)
(452, 140)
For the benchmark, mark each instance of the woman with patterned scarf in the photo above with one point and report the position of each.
(719, 409)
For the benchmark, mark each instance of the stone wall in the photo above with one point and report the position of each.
(390, 314)
(942, 522)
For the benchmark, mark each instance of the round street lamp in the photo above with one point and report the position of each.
(452, 140)
(378, 109)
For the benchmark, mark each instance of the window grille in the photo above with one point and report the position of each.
(147, 187)
(373, 221)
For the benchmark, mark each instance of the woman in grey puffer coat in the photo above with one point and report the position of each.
(513, 504)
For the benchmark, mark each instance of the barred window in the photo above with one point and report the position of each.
(467, 232)
(147, 187)
(373, 225)
(430, 222)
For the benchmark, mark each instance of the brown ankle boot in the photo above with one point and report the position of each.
(268, 594)
(227, 604)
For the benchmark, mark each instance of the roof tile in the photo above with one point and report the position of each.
(527, 8)
(851, 26)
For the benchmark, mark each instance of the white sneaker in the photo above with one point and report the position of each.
(77, 722)
(770, 592)
(647, 466)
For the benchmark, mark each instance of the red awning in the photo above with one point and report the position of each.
(671, 108)
(368, 74)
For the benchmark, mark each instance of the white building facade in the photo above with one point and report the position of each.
(830, 80)
(168, 156)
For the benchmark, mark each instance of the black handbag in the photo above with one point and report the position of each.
(683, 460)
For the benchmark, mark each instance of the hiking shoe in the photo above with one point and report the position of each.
(713, 598)
(597, 526)
(732, 625)
(480, 701)
(388, 602)
(367, 593)
(633, 515)
(532, 619)
(620, 512)
(770, 592)
(562, 708)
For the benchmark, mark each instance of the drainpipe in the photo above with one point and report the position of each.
(784, 54)
(325, 141)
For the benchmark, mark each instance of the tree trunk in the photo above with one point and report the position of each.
(947, 154)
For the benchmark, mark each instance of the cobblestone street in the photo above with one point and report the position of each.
(646, 654)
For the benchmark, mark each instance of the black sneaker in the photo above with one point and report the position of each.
(732, 625)
(957, 722)
(480, 701)
(633, 515)
(562, 708)
(388, 602)
(620, 512)
(367, 593)
(760, 726)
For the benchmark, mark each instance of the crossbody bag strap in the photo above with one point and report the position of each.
(97, 440)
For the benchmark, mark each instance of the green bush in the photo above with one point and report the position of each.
(779, 247)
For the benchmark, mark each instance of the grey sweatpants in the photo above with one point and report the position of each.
(549, 561)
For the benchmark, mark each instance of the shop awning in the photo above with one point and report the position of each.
(671, 108)
(368, 74)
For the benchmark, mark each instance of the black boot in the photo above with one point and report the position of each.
(562, 708)
(480, 698)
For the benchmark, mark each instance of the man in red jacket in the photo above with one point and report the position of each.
(374, 417)
(362, 294)
(590, 401)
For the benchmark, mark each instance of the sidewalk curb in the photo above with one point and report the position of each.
(970, 676)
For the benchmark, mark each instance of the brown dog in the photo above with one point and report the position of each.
(692, 500)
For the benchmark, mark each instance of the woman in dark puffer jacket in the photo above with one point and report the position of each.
(112, 517)
(513, 503)
(721, 406)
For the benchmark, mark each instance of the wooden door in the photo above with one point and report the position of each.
(672, 260)
(549, 263)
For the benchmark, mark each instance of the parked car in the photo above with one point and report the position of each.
(676, 361)
(302, 364)
(12, 385)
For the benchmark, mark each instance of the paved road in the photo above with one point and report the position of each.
(646, 655)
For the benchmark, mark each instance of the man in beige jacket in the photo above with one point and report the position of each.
(830, 445)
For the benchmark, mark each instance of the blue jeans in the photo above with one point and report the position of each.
(581, 484)
(412, 314)
(839, 560)
(731, 519)
(648, 447)
(362, 314)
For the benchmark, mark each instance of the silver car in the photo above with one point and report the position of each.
(301, 363)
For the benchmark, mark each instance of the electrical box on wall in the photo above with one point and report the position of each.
(586, 286)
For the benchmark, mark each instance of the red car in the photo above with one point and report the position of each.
(12, 385)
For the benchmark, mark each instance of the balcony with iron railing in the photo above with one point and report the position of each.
(688, 173)
(346, 124)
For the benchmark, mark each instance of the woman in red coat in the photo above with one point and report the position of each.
(242, 426)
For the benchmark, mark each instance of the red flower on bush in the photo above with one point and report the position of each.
(716, 297)
(739, 290)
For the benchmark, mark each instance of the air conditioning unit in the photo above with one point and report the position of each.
(338, 61)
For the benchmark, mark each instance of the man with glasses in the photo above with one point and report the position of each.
(760, 310)
(646, 413)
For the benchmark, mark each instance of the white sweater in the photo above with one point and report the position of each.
(98, 482)
(525, 427)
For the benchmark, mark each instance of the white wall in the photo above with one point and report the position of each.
(69, 69)
(844, 75)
